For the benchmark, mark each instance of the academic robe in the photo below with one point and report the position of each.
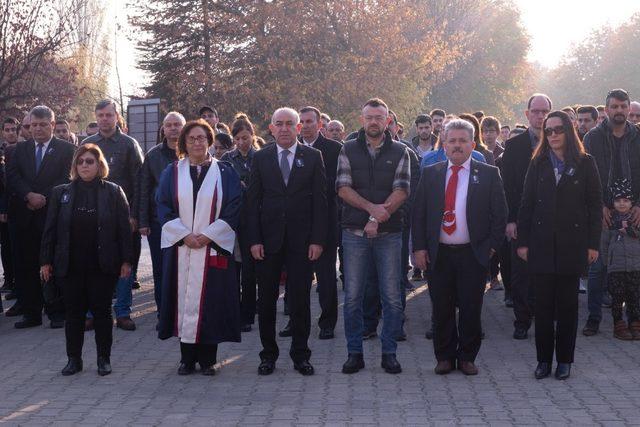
(200, 292)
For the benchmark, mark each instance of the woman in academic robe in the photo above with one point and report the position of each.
(198, 202)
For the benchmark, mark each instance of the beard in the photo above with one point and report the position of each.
(619, 119)
(373, 131)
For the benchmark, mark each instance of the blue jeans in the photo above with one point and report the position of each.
(360, 255)
(596, 286)
(156, 259)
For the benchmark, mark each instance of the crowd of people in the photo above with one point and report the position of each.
(467, 204)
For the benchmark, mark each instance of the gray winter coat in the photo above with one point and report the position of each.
(619, 251)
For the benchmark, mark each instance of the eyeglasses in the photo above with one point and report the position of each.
(194, 139)
(89, 161)
(558, 130)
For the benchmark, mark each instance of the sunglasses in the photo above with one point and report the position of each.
(88, 161)
(558, 130)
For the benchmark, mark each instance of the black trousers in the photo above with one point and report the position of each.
(299, 276)
(247, 284)
(457, 277)
(88, 291)
(504, 255)
(556, 298)
(521, 289)
(205, 354)
(27, 272)
(325, 268)
(6, 254)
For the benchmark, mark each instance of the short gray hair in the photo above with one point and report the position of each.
(42, 112)
(336, 122)
(458, 124)
(101, 105)
(288, 110)
(175, 114)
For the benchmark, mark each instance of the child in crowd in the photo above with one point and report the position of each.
(621, 253)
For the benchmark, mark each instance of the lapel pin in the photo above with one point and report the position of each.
(299, 162)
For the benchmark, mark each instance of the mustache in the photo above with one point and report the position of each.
(457, 150)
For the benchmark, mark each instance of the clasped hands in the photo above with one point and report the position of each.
(35, 201)
(196, 241)
(381, 214)
(257, 252)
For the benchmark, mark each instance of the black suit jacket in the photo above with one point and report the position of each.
(486, 210)
(515, 162)
(22, 178)
(559, 223)
(330, 150)
(294, 215)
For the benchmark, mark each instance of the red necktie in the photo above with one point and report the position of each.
(449, 217)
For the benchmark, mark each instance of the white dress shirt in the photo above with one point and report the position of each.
(45, 146)
(290, 156)
(461, 234)
(310, 144)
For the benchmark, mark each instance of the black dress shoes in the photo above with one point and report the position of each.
(543, 370)
(354, 363)
(390, 364)
(74, 365)
(266, 367)
(28, 323)
(520, 334)
(104, 366)
(56, 324)
(186, 368)
(304, 367)
(15, 310)
(286, 332)
(325, 334)
(563, 370)
(209, 370)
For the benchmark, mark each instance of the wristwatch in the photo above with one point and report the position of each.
(372, 219)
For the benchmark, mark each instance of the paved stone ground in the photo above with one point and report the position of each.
(144, 388)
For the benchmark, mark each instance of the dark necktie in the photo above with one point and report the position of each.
(39, 154)
(284, 166)
(449, 217)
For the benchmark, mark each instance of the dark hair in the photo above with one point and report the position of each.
(311, 109)
(207, 108)
(490, 122)
(568, 109)
(437, 112)
(520, 126)
(375, 102)
(535, 95)
(224, 139)
(43, 112)
(600, 107)
(182, 141)
(223, 127)
(573, 148)
(479, 115)
(105, 103)
(516, 131)
(326, 117)
(505, 127)
(92, 124)
(11, 121)
(590, 109)
(619, 95)
(393, 116)
(477, 138)
(103, 166)
(423, 118)
(62, 122)
(241, 122)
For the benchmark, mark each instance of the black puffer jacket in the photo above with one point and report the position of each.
(155, 162)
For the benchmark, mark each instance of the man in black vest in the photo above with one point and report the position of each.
(373, 181)
(287, 227)
(515, 162)
(35, 167)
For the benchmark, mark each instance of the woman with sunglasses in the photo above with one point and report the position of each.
(87, 245)
(559, 225)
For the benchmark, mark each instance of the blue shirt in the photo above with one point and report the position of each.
(433, 157)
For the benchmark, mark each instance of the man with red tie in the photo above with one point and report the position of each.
(455, 248)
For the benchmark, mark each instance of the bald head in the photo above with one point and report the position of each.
(335, 130)
(634, 112)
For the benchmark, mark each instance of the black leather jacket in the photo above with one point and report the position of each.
(114, 233)
(155, 162)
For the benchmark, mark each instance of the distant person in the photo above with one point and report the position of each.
(209, 115)
(602, 115)
(480, 147)
(437, 117)
(223, 143)
(63, 131)
(490, 130)
(335, 130)
(25, 127)
(425, 140)
(92, 128)
(587, 119)
(634, 112)
(504, 133)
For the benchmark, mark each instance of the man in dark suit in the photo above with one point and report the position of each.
(515, 162)
(325, 267)
(287, 227)
(455, 248)
(35, 167)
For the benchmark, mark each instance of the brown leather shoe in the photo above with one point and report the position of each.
(88, 324)
(467, 368)
(634, 328)
(621, 331)
(443, 367)
(125, 323)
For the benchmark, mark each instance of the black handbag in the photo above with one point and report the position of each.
(52, 295)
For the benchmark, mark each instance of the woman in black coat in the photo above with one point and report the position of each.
(559, 225)
(87, 245)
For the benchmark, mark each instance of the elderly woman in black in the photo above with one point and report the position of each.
(559, 225)
(87, 245)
